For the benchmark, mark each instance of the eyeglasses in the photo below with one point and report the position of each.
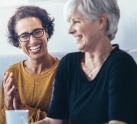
(37, 33)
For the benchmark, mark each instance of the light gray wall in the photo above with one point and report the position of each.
(61, 41)
(127, 33)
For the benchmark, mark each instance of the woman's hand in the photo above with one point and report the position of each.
(17, 104)
(48, 121)
(9, 90)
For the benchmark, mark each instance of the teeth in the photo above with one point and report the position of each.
(36, 47)
(78, 38)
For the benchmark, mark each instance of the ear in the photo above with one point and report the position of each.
(19, 44)
(47, 35)
(102, 22)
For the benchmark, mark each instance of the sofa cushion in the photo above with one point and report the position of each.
(8, 60)
(133, 53)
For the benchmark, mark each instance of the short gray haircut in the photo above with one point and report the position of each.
(94, 8)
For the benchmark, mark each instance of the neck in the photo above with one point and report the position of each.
(98, 56)
(39, 66)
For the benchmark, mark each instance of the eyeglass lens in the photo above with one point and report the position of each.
(37, 33)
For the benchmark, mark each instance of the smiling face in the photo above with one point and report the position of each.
(85, 31)
(35, 47)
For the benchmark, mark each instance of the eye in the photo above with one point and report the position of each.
(38, 32)
(77, 21)
(24, 36)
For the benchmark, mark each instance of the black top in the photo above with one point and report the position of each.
(112, 95)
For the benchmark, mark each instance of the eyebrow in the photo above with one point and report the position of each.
(76, 18)
(30, 32)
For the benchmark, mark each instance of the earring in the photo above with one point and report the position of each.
(99, 28)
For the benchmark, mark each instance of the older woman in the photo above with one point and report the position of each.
(28, 84)
(98, 84)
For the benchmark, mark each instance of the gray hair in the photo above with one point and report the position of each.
(94, 8)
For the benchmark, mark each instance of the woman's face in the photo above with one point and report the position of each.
(85, 31)
(34, 47)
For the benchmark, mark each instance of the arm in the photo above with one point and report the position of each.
(6, 95)
(11, 94)
(49, 121)
(12, 101)
(122, 90)
(116, 122)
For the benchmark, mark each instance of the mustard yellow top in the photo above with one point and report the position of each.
(34, 90)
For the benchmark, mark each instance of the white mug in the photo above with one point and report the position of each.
(17, 116)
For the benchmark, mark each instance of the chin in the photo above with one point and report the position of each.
(37, 56)
(81, 48)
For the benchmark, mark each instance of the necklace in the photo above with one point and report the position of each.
(91, 73)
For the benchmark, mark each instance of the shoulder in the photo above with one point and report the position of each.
(121, 62)
(120, 56)
(69, 62)
(15, 66)
(72, 56)
(71, 59)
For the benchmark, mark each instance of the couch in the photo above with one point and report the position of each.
(7, 60)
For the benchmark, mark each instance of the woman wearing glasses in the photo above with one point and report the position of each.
(28, 84)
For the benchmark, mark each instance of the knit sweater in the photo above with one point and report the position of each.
(34, 89)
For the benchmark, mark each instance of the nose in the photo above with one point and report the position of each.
(32, 39)
(71, 30)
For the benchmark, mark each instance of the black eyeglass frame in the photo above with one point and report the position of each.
(32, 33)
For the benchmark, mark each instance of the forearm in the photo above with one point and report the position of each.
(44, 121)
(116, 122)
(49, 121)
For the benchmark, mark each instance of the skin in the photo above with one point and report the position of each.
(83, 30)
(28, 25)
(90, 39)
(39, 60)
(8, 90)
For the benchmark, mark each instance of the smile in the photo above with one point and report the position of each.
(36, 48)
(78, 37)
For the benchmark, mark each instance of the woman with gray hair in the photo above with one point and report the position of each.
(98, 84)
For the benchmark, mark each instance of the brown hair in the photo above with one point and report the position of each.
(29, 11)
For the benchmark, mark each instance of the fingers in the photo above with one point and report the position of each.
(8, 74)
(9, 89)
(17, 104)
(7, 77)
(8, 96)
(9, 84)
(16, 99)
(8, 80)
(11, 94)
